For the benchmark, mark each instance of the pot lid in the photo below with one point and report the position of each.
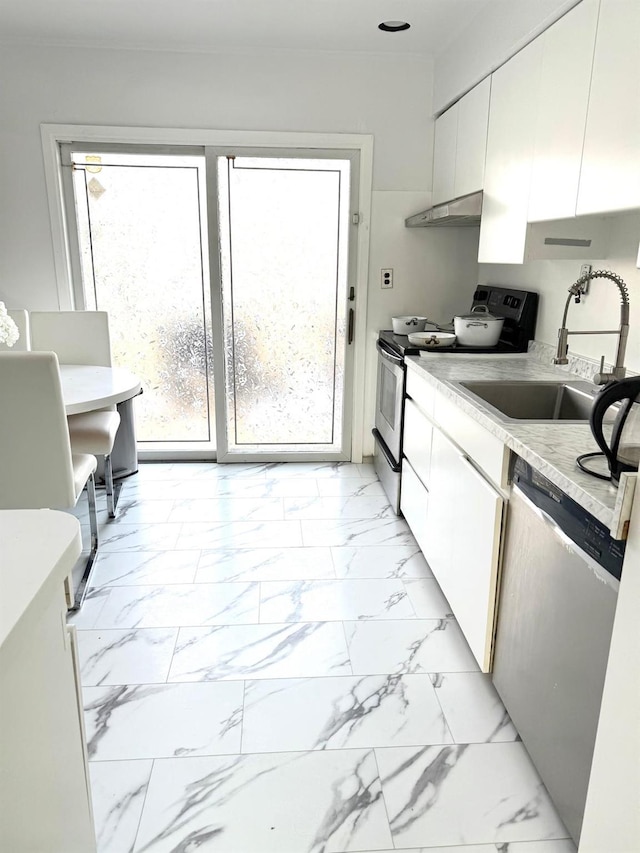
(479, 312)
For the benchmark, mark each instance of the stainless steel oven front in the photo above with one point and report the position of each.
(389, 421)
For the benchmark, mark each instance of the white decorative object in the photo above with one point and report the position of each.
(9, 333)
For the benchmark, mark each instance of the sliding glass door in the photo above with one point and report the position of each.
(282, 225)
(228, 271)
(141, 220)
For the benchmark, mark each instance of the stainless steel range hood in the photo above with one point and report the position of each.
(463, 211)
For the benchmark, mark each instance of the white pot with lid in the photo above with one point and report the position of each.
(479, 328)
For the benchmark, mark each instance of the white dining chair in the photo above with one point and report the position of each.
(83, 337)
(21, 318)
(37, 467)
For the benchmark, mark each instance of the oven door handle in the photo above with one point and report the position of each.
(396, 467)
(389, 356)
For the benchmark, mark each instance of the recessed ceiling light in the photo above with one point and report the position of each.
(393, 26)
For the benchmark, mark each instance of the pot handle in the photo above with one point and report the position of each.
(479, 309)
(474, 323)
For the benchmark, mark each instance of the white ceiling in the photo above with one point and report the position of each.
(218, 25)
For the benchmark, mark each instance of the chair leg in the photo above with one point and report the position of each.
(88, 569)
(112, 498)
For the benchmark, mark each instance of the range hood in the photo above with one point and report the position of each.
(463, 211)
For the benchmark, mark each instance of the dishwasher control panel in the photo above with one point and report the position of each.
(584, 529)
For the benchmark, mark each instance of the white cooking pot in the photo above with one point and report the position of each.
(404, 325)
(479, 328)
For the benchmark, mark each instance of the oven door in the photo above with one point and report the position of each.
(390, 399)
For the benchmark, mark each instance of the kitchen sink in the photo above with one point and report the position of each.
(534, 401)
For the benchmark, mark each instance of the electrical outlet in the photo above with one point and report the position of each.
(386, 279)
(585, 269)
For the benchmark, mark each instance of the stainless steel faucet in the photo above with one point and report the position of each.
(618, 372)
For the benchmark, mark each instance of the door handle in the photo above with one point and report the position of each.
(350, 333)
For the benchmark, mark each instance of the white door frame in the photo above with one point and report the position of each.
(53, 134)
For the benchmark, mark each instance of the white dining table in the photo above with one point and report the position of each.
(86, 388)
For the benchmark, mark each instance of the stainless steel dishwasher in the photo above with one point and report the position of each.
(558, 595)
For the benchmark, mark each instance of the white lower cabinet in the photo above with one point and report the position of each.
(457, 523)
(452, 475)
(414, 502)
(45, 799)
(462, 542)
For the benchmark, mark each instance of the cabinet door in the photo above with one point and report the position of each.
(45, 802)
(562, 113)
(414, 503)
(471, 144)
(417, 440)
(610, 175)
(463, 534)
(507, 176)
(444, 155)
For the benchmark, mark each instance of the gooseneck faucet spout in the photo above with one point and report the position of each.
(618, 372)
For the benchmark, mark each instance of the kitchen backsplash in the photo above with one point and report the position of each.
(582, 366)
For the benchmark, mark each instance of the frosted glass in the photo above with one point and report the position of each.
(284, 228)
(142, 261)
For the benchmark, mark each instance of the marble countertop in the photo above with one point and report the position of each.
(551, 448)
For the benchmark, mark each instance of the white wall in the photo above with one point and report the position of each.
(434, 271)
(500, 30)
(600, 309)
(383, 95)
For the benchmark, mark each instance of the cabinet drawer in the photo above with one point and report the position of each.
(487, 451)
(421, 392)
(414, 501)
(417, 440)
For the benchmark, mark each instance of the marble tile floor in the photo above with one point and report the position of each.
(268, 665)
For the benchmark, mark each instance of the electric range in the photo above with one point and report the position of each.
(518, 307)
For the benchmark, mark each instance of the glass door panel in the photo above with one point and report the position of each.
(283, 231)
(141, 222)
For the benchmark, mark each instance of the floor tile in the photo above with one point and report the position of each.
(260, 651)
(118, 790)
(418, 646)
(265, 564)
(120, 536)
(133, 510)
(357, 487)
(341, 713)
(374, 507)
(132, 568)
(317, 470)
(140, 656)
(331, 600)
(227, 509)
(388, 531)
(179, 605)
(151, 491)
(386, 561)
(241, 534)
(91, 609)
(474, 711)
(320, 802)
(162, 720)
(246, 487)
(504, 799)
(427, 599)
(564, 845)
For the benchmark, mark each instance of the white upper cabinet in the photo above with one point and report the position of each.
(444, 155)
(562, 113)
(610, 175)
(460, 145)
(471, 148)
(510, 147)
